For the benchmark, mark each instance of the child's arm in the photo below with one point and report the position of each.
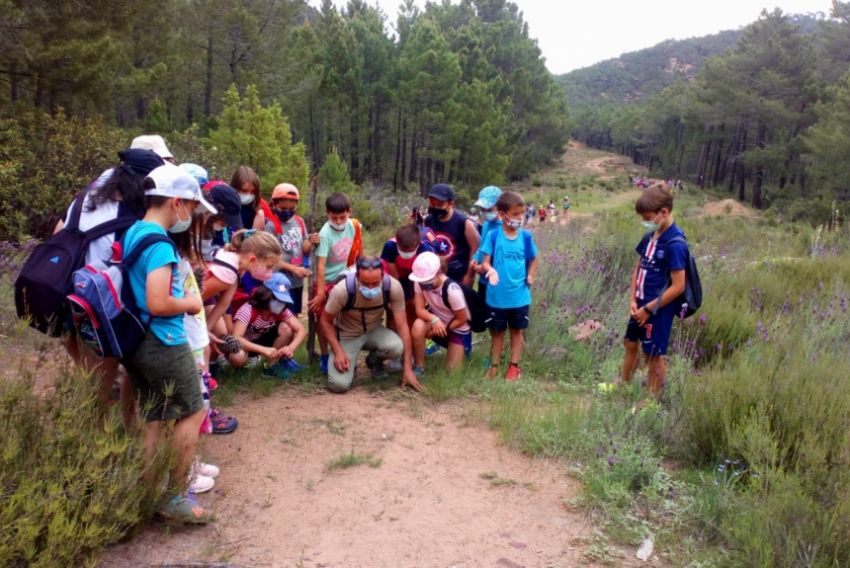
(298, 271)
(676, 289)
(319, 298)
(299, 334)
(239, 329)
(532, 270)
(421, 312)
(159, 299)
(489, 272)
(633, 306)
(221, 306)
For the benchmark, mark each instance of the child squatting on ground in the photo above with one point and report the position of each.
(657, 280)
(510, 263)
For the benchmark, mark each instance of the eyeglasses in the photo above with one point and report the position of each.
(369, 263)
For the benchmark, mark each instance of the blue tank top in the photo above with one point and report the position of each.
(450, 242)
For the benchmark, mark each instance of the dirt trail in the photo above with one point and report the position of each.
(445, 493)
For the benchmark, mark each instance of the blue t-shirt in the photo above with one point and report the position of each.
(486, 227)
(168, 329)
(510, 260)
(658, 258)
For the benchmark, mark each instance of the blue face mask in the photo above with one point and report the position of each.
(285, 216)
(491, 216)
(370, 293)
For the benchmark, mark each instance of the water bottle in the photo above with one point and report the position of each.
(306, 261)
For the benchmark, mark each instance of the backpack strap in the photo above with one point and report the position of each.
(676, 239)
(76, 212)
(386, 286)
(357, 244)
(445, 292)
(301, 224)
(351, 288)
(147, 241)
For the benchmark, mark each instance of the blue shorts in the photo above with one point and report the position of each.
(500, 319)
(655, 334)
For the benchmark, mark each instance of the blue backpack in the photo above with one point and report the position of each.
(691, 299)
(103, 307)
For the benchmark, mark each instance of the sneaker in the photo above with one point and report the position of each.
(223, 424)
(184, 509)
(205, 469)
(323, 363)
(431, 347)
(201, 484)
(279, 370)
(254, 362)
(418, 371)
(492, 372)
(373, 361)
(293, 365)
(513, 374)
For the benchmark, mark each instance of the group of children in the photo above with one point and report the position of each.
(220, 274)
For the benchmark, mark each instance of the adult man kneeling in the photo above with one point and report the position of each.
(353, 322)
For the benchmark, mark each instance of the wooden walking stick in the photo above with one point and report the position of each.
(311, 225)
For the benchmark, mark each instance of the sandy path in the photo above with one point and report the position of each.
(426, 504)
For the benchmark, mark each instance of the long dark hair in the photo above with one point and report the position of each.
(121, 185)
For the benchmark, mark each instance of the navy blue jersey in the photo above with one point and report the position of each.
(658, 258)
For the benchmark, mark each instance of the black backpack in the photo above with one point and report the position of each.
(44, 283)
(691, 299)
(475, 303)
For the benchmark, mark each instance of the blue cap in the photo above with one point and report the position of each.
(488, 197)
(442, 192)
(196, 172)
(280, 286)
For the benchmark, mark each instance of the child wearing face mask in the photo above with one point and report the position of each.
(400, 253)
(163, 369)
(442, 315)
(267, 328)
(510, 264)
(487, 199)
(340, 245)
(259, 256)
(657, 280)
(294, 240)
(247, 183)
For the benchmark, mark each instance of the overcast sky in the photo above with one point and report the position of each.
(578, 33)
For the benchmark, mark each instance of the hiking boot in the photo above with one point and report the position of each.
(279, 371)
(184, 509)
(201, 484)
(513, 373)
(492, 372)
(323, 363)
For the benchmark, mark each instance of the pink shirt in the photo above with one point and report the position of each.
(434, 299)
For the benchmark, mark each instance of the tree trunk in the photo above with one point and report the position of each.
(413, 157)
(397, 153)
(761, 138)
(354, 145)
(403, 173)
(208, 87)
(742, 167)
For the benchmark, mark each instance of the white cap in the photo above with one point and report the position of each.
(173, 181)
(153, 142)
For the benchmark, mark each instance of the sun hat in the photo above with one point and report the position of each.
(280, 286)
(488, 197)
(286, 191)
(225, 266)
(172, 181)
(425, 267)
(226, 200)
(197, 172)
(153, 142)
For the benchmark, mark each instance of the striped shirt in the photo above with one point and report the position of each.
(257, 324)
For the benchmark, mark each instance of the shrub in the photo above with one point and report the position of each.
(72, 479)
(44, 161)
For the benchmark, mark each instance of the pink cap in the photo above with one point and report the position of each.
(425, 267)
(225, 266)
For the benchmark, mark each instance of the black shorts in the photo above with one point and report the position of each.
(297, 300)
(500, 319)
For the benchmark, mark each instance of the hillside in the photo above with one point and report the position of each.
(634, 76)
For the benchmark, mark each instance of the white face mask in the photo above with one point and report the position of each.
(276, 307)
(246, 198)
(339, 227)
(406, 255)
(182, 225)
(491, 216)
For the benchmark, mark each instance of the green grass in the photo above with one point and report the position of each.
(353, 459)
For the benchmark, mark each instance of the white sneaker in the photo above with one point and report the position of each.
(205, 469)
(201, 484)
